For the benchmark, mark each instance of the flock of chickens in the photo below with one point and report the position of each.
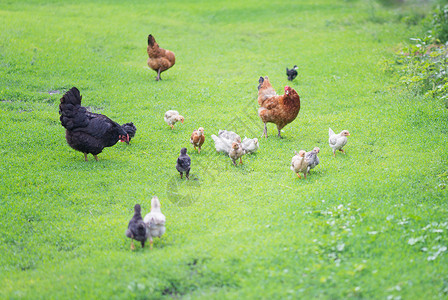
(89, 132)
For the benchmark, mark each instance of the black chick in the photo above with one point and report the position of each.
(291, 73)
(137, 229)
(130, 129)
(87, 132)
(183, 163)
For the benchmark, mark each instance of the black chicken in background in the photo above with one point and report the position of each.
(292, 73)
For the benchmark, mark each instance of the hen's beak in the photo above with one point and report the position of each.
(124, 138)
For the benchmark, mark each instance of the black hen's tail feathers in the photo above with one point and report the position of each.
(73, 115)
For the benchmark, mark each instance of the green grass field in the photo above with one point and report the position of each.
(370, 224)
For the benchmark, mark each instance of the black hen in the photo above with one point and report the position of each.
(85, 131)
(130, 129)
(291, 73)
(183, 163)
(137, 229)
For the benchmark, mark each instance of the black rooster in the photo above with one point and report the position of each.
(88, 132)
(291, 73)
(137, 229)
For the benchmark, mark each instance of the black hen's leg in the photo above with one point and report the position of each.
(143, 244)
(85, 157)
(181, 175)
(188, 174)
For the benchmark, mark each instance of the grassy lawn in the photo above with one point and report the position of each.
(370, 224)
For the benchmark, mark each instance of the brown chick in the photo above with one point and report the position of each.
(299, 163)
(159, 59)
(236, 152)
(197, 138)
(278, 109)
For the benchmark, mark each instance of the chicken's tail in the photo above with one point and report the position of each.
(330, 132)
(72, 113)
(155, 204)
(130, 129)
(265, 90)
(151, 40)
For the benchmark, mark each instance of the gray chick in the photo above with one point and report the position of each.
(312, 159)
(183, 163)
(136, 228)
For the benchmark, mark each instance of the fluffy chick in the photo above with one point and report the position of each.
(197, 138)
(236, 152)
(183, 163)
(250, 145)
(229, 135)
(137, 229)
(155, 220)
(337, 141)
(172, 117)
(222, 144)
(312, 159)
(299, 163)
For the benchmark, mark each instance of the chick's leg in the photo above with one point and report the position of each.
(298, 175)
(132, 245)
(172, 126)
(241, 161)
(342, 150)
(158, 75)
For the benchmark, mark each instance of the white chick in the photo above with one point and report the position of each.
(155, 220)
(222, 144)
(250, 145)
(337, 141)
(229, 135)
(172, 117)
(299, 163)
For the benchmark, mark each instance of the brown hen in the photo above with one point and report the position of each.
(159, 59)
(278, 109)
